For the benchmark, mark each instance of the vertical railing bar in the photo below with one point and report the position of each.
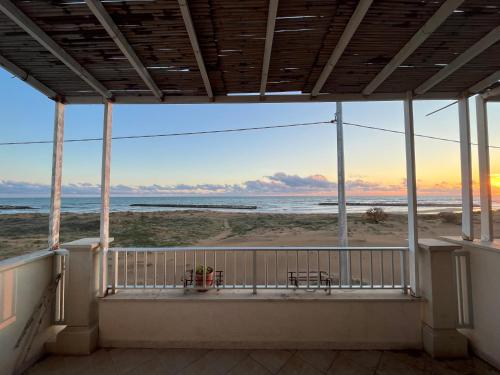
(402, 271)
(287, 268)
(175, 269)
(297, 282)
(244, 269)
(382, 268)
(165, 270)
(136, 260)
(254, 272)
(204, 269)
(360, 268)
(308, 268)
(392, 267)
(145, 268)
(266, 268)
(339, 252)
(215, 269)
(125, 267)
(155, 273)
(194, 269)
(276, 269)
(350, 267)
(234, 268)
(371, 269)
(185, 267)
(225, 268)
(319, 270)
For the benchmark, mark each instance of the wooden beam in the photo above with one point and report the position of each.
(420, 36)
(247, 99)
(55, 191)
(491, 94)
(186, 15)
(345, 38)
(466, 169)
(105, 186)
(23, 21)
(26, 77)
(266, 61)
(477, 48)
(483, 147)
(485, 83)
(411, 188)
(109, 25)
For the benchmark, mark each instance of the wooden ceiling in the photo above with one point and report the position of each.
(232, 35)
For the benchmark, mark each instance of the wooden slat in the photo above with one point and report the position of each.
(10, 10)
(480, 46)
(420, 36)
(485, 83)
(186, 15)
(344, 40)
(271, 22)
(109, 25)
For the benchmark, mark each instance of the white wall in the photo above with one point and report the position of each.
(23, 281)
(250, 322)
(485, 280)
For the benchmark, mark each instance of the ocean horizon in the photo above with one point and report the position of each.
(263, 204)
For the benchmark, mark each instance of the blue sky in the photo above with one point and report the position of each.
(374, 160)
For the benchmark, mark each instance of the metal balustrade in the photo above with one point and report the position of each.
(256, 268)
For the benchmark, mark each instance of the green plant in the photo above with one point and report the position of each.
(375, 215)
(200, 269)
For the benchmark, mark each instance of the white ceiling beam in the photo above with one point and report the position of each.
(420, 36)
(247, 99)
(26, 77)
(188, 21)
(485, 83)
(492, 94)
(271, 22)
(109, 25)
(23, 21)
(477, 48)
(345, 38)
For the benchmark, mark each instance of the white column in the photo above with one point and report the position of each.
(105, 174)
(466, 169)
(342, 215)
(411, 187)
(484, 169)
(55, 193)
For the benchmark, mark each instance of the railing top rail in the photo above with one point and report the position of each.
(260, 248)
(18, 261)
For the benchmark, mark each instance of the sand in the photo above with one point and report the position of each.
(22, 233)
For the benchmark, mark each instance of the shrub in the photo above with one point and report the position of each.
(375, 215)
(450, 218)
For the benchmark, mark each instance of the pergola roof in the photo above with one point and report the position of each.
(176, 51)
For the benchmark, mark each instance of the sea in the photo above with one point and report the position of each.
(264, 204)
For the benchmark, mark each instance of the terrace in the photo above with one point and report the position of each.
(435, 295)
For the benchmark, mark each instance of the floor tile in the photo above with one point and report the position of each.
(320, 359)
(249, 366)
(403, 362)
(216, 362)
(175, 360)
(273, 360)
(353, 362)
(297, 366)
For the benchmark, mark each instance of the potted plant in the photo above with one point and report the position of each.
(209, 277)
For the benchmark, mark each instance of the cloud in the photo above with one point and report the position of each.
(277, 184)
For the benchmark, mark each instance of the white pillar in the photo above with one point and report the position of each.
(342, 215)
(105, 175)
(411, 187)
(484, 169)
(55, 193)
(466, 169)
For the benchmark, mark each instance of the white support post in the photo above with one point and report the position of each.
(342, 215)
(105, 174)
(55, 193)
(466, 169)
(484, 169)
(411, 188)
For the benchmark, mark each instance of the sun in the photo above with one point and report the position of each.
(495, 180)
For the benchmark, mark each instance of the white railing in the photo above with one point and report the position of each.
(256, 268)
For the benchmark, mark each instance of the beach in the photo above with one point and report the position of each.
(27, 232)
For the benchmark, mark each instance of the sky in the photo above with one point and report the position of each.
(290, 161)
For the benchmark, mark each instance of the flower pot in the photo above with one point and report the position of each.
(209, 277)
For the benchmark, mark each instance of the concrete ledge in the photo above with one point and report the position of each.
(75, 341)
(187, 321)
(444, 343)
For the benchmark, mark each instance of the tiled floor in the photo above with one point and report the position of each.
(207, 362)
